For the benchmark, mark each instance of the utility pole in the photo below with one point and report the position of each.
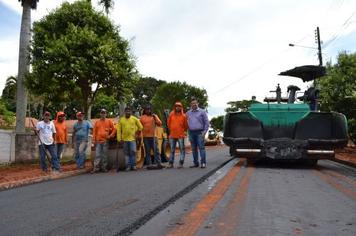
(317, 40)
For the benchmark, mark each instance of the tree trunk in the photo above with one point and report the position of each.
(88, 111)
(24, 66)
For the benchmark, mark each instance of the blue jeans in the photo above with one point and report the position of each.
(173, 143)
(80, 148)
(59, 150)
(101, 156)
(197, 141)
(150, 143)
(54, 160)
(130, 152)
(164, 158)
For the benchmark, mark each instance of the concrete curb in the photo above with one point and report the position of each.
(347, 163)
(20, 183)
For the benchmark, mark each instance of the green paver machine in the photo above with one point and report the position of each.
(283, 129)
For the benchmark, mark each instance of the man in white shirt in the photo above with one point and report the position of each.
(46, 131)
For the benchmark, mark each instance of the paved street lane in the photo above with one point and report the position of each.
(266, 199)
(100, 204)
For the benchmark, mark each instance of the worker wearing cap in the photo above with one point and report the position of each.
(81, 131)
(61, 133)
(103, 131)
(46, 132)
(128, 128)
(177, 126)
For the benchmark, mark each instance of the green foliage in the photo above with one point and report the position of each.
(338, 88)
(107, 102)
(352, 129)
(239, 105)
(7, 118)
(217, 122)
(9, 94)
(168, 93)
(144, 90)
(74, 49)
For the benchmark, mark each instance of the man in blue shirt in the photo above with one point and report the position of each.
(81, 131)
(198, 125)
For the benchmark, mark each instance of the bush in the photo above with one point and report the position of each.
(7, 118)
(352, 129)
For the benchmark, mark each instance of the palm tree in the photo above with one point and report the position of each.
(107, 4)
(24, 64)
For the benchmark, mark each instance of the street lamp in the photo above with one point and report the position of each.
(301, 46)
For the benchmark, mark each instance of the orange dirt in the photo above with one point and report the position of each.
(347, 154)
(20, 172)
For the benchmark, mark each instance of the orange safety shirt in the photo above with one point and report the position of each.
(177, 125)
(149, 124)
(61, 132)
(103, 130)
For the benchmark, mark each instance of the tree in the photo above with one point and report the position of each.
(9, 93)
(24, 64)
(107, 102)
(7, 118)
(76, 52)
(338, 89)
(217, 122)
(107, 4)
(168, 93)
(240, 105)
(143, 90)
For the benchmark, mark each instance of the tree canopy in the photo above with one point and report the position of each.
(168, 93)
(9, 93)
(338, 89)
(240, 105)
(143, 90)
(76, 51)
(217, 122)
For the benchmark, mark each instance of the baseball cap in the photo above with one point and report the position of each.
(103, 110)
(79, 113)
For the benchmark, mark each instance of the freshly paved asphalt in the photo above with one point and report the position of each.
(266, 199)
(99, 204)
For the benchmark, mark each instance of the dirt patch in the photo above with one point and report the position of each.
(23, 172)
(347, 154)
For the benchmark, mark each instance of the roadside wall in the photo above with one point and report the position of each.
(7, 146)
(27, 148)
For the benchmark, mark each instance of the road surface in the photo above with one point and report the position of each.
(236, 199)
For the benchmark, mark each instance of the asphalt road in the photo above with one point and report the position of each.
(100, 204)
(265, 199)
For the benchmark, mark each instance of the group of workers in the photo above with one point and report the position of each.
(194, 123)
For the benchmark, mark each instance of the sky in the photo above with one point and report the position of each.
(233, 49)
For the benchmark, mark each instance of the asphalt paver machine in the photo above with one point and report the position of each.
(287, 128)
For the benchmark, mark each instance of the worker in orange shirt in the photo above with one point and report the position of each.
(177, 126)
(103, 131)
(61, 138)
(149, 122)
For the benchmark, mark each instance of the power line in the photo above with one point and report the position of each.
(257, 68)
(344, 26)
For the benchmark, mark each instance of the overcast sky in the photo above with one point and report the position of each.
(234, 49)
